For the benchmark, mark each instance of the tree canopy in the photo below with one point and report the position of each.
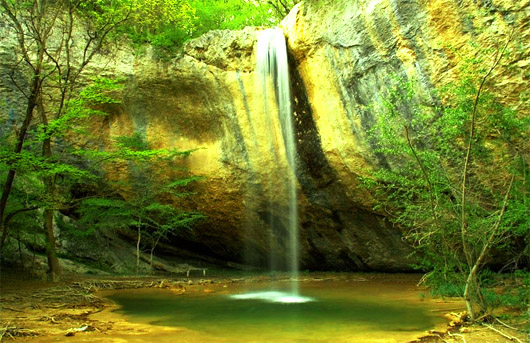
(167, 24)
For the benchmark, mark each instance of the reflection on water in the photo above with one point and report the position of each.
(341, 312)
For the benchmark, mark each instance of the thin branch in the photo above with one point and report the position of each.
(440, 336)
(471, 278)
(14, 82)
(511, 338)
(425, 175)
(497, 224)
(106, 30)
(11, 215)
(4, 330)
(463, 229)
(19, 31)
(506, 325)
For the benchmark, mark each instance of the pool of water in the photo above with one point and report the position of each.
(333, 311)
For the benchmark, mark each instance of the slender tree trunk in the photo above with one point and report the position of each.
(467, 249)
(6, 191)
(11, 215)
(151, 259)
(153, 252)
(3, 203)
(33, 33)
(138, 246)
(426, 176)
(54, 270)
(20, 251)
(472, 283)
(32, 271)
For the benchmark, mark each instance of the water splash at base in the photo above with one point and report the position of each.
(273, 297)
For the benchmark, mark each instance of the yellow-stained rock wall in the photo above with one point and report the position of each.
(343, 54)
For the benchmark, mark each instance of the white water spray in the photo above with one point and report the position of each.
(272, 65)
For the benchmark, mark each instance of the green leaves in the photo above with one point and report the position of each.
(167, 24)
(136, 142)
(100, 92)
(452, 208)
(89, 102)
(148, 197)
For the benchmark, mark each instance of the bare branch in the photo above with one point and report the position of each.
(503, 334)
(471, 278)
(425, 175)
(15, 83)
(463, 222)
(19, 31)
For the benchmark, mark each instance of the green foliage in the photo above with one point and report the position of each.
(232, 15)
(64, 167)
(76, 110)
(150, 196)
(423, 148)
(167, 24)
(100, 15)
(444, 284)
(281, 7)
(522, 279)
(494, 299)
(152, 15)
(134, 149)
(501, 290)
(163, 23)
(425, 152)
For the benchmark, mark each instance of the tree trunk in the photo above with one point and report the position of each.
(474, 266)
(20, 251)
(32, 103)
(54, 269)
(153, 252)
(471, 281)
(138, 247)
(151, 259)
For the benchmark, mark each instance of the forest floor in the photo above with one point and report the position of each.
(75, 310)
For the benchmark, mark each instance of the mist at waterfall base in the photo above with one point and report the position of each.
(273, 71)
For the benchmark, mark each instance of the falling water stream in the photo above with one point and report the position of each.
(273, 70)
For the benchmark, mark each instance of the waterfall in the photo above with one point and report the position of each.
(272, 67)
(273, 71)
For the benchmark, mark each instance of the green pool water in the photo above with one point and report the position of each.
(361, 312)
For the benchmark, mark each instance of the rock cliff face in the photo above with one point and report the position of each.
(342, 56)
(209, 99)
(346, 55)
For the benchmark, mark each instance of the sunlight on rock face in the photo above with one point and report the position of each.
(273, 297)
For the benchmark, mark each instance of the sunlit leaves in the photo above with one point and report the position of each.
(88, 103)
(424, 149)
(151, 193)
(167, 24)
(153, 16)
